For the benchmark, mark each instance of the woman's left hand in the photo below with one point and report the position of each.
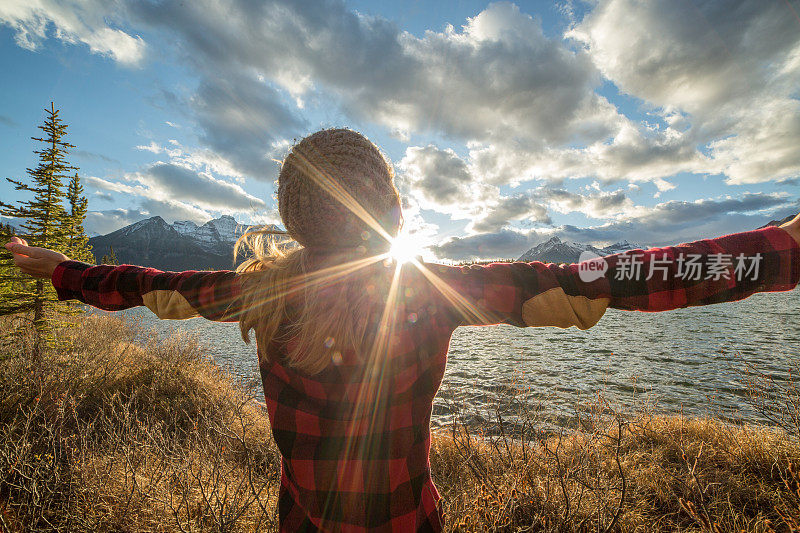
(38, 262)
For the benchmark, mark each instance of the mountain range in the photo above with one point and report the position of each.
(779, 222)
(182, 245)
(557, 251)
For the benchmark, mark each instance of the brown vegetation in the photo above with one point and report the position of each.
(112, 432)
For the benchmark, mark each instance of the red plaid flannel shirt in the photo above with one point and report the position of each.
(355, 439)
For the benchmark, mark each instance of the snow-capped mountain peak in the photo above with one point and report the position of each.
(153, 222)
(227, 229)
(557, 251)
(184, 227)
(181, 245)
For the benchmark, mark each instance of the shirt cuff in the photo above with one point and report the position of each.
(67, 279)
(788, 273)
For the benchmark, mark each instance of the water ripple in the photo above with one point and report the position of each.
(685, 360)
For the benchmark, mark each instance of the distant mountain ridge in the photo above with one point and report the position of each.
(182, 245)
(778, 222)
(557, 251)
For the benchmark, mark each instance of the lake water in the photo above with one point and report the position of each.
(688, 360)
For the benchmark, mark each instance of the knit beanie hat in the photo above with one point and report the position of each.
(329, 183)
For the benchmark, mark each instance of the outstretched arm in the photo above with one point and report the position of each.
(704, 272)
(175, 295)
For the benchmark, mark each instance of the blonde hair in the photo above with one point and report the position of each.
(318, 291)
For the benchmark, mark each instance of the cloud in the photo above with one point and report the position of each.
(500, 66)
(726, 69)
(764, 146)
(534, 111)
(666, 223)
(106, 221)
(503, 244)
(196, 191)
(694, 56)
(106, 197)
(152, 147)
(600, 204)
(634, 153)
(103, 222)
(509, 208)
(439, 179)
(71, 22)
(514, 81)
(172, 210)
(94, 155)
(533, 206)
(169, 180)
(245, 121)
(152, 201)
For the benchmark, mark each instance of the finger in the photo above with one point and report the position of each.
(19, 249)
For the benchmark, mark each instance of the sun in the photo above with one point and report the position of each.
(404, 248)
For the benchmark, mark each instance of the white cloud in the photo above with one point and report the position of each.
(506, 209)
(152, 147)
(717, 83)
(245, 122)
(726, 69)
(663, 224)
(497, 79)
(103, 222)
(438, 179)
(196, 191)
(526, 104)
(696, 57)
(72, 22)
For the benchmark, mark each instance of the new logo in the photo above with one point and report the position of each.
(591, 266)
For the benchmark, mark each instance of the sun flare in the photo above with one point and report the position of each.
(404, 249)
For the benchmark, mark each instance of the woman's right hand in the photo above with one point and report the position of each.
(38, 262)
(793, 228)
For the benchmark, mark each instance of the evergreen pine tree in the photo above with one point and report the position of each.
(44, 224)
(6, 232)
(78, 246)
(110, 258)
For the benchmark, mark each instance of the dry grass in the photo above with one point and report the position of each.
(108, 435)
(647, 474)
(111, 435)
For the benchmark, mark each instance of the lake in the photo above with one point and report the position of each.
(687, 360)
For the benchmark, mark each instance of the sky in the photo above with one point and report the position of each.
(656, 122)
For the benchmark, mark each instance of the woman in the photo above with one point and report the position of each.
(352, 344)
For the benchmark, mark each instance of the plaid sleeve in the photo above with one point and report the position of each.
(175, 295)
(710, 271)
